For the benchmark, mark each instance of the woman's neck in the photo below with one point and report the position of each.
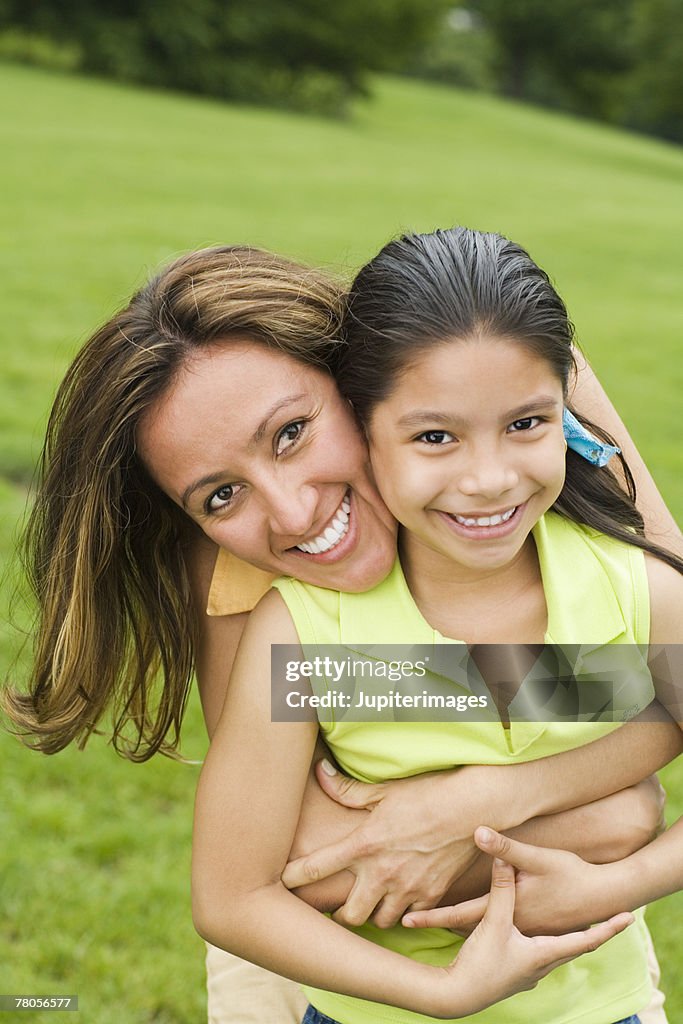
(501, 605)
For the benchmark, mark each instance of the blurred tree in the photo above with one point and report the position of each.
(460, 52)
(654, 93)
(291, 52)
(568, 53)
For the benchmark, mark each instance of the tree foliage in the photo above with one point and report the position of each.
(569, 53)
(654, 96)
(617, 60)
(290, 52)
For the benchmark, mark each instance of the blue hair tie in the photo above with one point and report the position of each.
(582, 442)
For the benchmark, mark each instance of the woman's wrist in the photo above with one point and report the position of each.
(490, 795)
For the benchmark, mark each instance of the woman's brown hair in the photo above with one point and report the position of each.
(105, 550)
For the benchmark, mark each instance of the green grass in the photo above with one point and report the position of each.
(100, 184)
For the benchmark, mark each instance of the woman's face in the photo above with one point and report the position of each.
(263, 453)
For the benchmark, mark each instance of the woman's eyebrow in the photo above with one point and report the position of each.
(263, 425)
(256, 437)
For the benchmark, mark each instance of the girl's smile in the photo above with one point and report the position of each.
(263, 453)
(468, 450)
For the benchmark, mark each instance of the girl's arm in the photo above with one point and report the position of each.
(412, 859)
(247, 807)
(556, 887)
(418, 856)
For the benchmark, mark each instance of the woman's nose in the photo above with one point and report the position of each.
(292, 511)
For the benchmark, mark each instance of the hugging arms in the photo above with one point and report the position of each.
(418, 839)
(142, 465)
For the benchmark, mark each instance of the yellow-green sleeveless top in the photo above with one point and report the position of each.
(597, 594)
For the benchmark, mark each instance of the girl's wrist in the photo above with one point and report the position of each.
(430, 992)
(441, 1001)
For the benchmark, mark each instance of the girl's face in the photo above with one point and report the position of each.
(263, 453)
(468, 451)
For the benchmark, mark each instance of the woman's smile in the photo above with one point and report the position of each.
(263, 453)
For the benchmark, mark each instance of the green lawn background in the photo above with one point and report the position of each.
(99, 184)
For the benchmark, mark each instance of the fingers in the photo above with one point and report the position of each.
(321, 864)
(520, 855)
(458, 918)
(359, 906)
(388, 912)
(501, 906)
(557, 950)
(346, 791)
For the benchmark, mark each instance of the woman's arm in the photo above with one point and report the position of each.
(403, 860)
(556, 887)
(590, 399)
(421, 868)
(248, 802)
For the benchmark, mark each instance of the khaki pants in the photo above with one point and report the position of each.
(241, 993)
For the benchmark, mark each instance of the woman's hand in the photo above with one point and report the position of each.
(497, 960)
(555, 891)
(402, 854)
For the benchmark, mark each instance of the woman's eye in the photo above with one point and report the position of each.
(436, 437)
(289, 436)
(221, 498)
(526, 424)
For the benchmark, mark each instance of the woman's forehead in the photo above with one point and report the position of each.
(223, 400)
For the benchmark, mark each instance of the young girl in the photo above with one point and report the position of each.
(458, 363)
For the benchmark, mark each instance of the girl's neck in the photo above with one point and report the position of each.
(501, 605)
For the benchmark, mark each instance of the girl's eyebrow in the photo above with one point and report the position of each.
(419, 416)
(541, 402)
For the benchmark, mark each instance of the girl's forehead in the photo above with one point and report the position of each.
(471, 378)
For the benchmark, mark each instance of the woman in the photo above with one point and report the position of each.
(135, 500)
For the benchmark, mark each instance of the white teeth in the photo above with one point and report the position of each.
(487, 520)
(332, 535)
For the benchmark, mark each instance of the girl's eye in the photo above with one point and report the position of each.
(435, 437)
(526, 424)
(289, 436)
(223, 497)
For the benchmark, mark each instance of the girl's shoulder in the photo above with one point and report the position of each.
(270, 619)
(666, 601)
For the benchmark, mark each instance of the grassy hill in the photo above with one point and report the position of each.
(100, 183)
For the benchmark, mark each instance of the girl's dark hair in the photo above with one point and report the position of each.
(105, 549)
(424, 290)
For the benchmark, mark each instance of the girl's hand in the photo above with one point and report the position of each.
(497, 960)
(554, 889)
(401, 860)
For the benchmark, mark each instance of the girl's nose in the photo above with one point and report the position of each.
(490, 478)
